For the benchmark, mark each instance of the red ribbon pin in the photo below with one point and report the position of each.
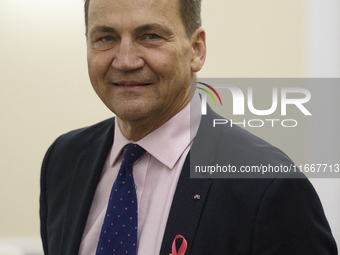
(183, 247)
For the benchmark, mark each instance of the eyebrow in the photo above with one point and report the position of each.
(102, 29)
(143, 28)
(154, 26)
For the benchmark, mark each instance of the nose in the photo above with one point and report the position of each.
(127, 56)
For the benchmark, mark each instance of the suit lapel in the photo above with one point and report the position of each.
(87, 175)
(186, 211)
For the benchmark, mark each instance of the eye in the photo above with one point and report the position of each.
(106, 39)
(105, 42)
(152, 36)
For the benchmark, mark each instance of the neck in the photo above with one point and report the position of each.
(137, 129)
(134, 132)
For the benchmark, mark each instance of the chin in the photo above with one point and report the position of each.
(131, 113)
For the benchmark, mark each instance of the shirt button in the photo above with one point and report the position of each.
(136, 187)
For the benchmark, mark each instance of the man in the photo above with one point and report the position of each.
(142, 55)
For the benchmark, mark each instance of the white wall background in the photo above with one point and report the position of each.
(323, 60)
(45, 90)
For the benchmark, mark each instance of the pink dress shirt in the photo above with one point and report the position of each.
(156, 175)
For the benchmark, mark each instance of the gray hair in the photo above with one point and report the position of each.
(190, 11)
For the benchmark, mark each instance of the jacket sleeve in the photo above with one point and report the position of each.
(291, 220)
(43, 200)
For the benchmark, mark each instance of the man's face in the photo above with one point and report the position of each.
(139, 58)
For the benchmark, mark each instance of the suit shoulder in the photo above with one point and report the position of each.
(86, 133)
(76, 140)
(236, 141)
(248, 145)
(90, 130)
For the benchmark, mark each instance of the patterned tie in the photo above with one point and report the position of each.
(119, 230)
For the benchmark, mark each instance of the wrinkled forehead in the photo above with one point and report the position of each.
(132, 13)
(124, 6)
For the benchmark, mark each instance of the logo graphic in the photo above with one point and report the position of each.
(239, 99)
(204, 96)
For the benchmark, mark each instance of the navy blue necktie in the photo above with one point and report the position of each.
(119, 230)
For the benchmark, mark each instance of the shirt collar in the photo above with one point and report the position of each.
(168, 142)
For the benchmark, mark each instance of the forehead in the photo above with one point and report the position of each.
(133, 12)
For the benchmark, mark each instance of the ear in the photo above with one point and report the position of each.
(199, 49)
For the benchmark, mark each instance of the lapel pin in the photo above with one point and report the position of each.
(197, 197)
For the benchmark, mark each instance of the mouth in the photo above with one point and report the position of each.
(131, 84)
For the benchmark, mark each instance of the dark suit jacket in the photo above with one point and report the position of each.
(232, 216)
